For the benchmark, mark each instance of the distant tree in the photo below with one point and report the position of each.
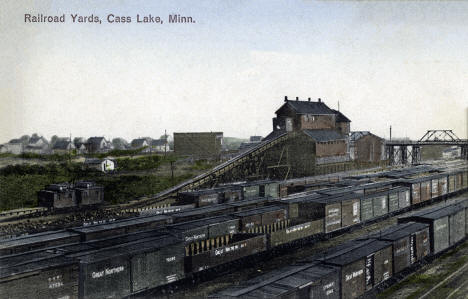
(78, 140)
(35, 135)
(25, 139)
(119, 143)
(53, 140)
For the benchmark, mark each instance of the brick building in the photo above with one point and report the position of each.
(366, 147)
(327, 127)
(200, 144)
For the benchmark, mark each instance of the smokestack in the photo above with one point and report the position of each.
(308, 99)
(285, 98)
(319, 100)
(297, 98)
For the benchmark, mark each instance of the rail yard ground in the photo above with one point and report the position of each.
(414, 285)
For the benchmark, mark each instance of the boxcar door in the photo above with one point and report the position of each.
(369, 272)
(413, 256)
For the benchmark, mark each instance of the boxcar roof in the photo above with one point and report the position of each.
(248, 201)
(25, 257)
(357, 250)
(34, 238)
(132, 248)
(202, 222)
(201, 210)
(52, 262)
(400, 231)
(291, 276)
(259, 210)
(440, 213)
(121, 223)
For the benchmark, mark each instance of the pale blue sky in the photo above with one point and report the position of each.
(399, 63)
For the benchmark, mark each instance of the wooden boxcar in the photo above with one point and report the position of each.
(93, 232)
(37, 241)
(201, 198)
(126, 269)
(362, 264)
(410, 243)
(446, 225)
(203, 212)
(39, 275)
(310, 280)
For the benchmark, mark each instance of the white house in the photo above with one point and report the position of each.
(104, 165)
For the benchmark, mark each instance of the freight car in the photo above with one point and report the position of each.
(275, 223)
(354, 268)
(37, 241)
(82, 194)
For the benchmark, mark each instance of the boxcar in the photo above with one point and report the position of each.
(248, 204)
(40, 275)
(374, 205)
(327, 208)
(311, 280)
(362, 264)
(203, 212)
(452, 182)
(201, 198)
(37, 241)
(410, 243)
(350, 210)
(446, 225)
(124, 226)
(404, 198)
(156, 263)
(122, 270)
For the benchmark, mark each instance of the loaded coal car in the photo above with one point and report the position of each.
(201, 198)
(37, 241)
(261, 217)
(238, 247)
(39, 275)
(58, 196)
(88, 194)
(295, 230)
(310, 280)
(93, 232)
(446, 224)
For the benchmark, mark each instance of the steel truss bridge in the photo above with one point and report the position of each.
(409, 152)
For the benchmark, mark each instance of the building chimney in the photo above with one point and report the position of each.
(297, 98)
(319, 100)
(285, 98)
(308, 99)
